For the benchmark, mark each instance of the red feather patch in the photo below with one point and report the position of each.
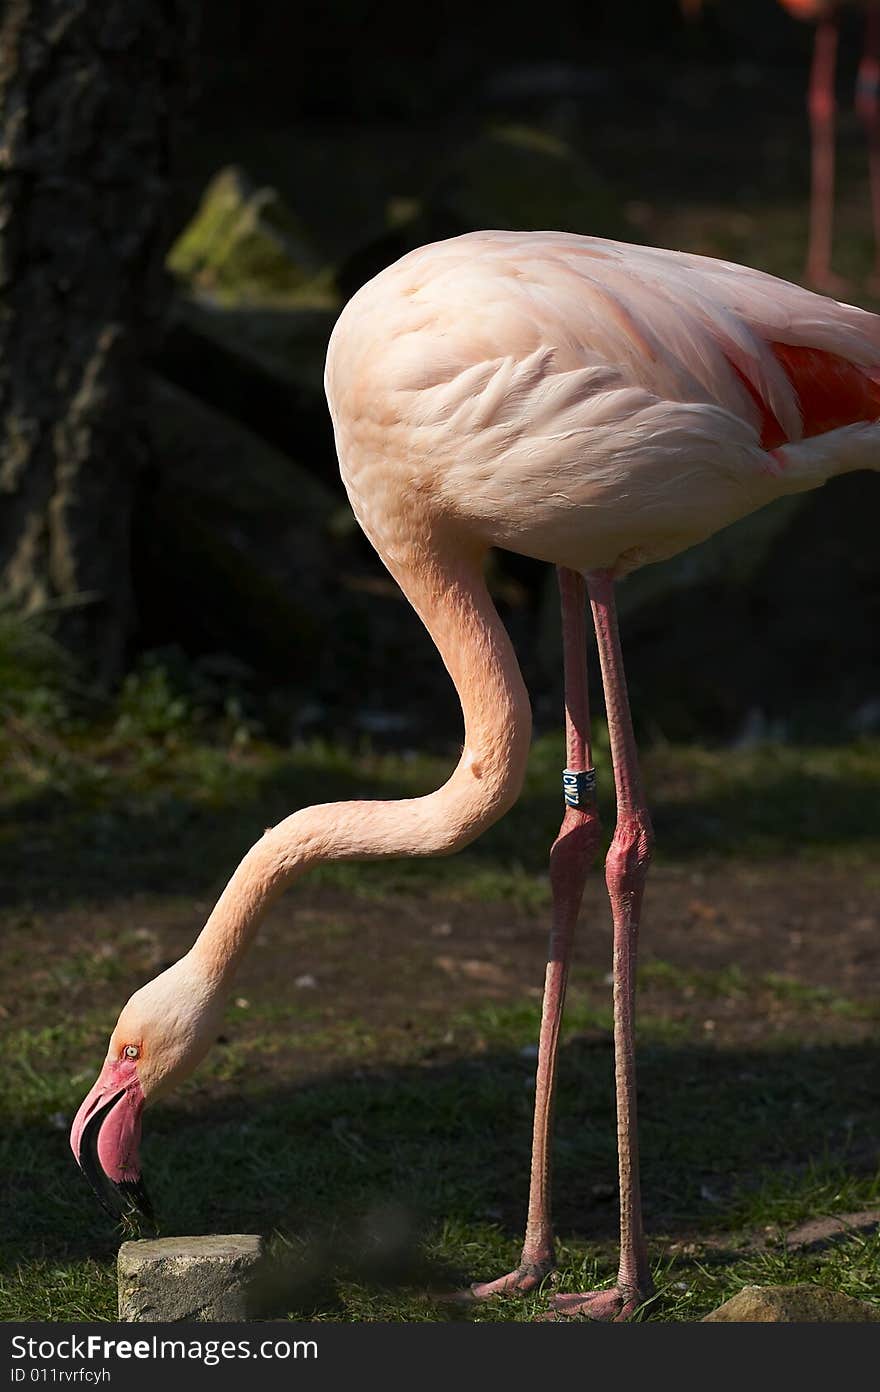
(831, 392)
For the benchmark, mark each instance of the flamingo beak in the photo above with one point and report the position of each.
(105, 1138)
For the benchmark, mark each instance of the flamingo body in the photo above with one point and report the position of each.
(589, 403)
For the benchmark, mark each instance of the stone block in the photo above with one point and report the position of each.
(802, 1304)
(190, 1279)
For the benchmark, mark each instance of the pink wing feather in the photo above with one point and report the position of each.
(686, 328)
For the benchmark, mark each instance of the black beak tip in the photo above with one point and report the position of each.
(137, 1210)
(127, 1201)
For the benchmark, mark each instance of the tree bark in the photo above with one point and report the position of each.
(90, 96)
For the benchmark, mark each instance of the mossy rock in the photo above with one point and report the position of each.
(288, 342)
(245, 245)
(507, 177)
(802, 1304)
(409, 223)
(234, 540)
(229, 469)
(522, 177)
(261, 365)
(239, 550)
(199, 244)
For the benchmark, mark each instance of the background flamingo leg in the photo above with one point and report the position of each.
(571, 856)
(626, 868)
(868, 108)
(822, 104)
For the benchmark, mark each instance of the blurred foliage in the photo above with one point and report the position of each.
(168, 781)
(36, 674)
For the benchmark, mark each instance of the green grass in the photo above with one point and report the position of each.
(382, 1136)
(733, 982)
(399, 1175)
(123, 801)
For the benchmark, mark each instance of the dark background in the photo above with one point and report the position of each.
(692, 131)
(378, 128)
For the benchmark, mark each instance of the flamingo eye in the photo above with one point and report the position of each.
(132, 1051)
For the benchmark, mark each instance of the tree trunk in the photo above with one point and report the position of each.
(89, 95)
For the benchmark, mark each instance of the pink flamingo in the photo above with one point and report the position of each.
(822, 106)
(594, 405)
(822, 103)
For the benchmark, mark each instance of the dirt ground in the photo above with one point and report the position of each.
(734, 951)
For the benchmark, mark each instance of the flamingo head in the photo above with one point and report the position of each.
(164, 1031)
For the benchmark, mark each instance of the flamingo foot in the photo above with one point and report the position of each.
(610, 1306)
(527, 1277)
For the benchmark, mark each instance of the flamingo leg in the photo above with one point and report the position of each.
(626, 868)
(868, 108)
(571, 856)
(822, 106)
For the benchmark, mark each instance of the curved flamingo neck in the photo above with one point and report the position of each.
(452, 600)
